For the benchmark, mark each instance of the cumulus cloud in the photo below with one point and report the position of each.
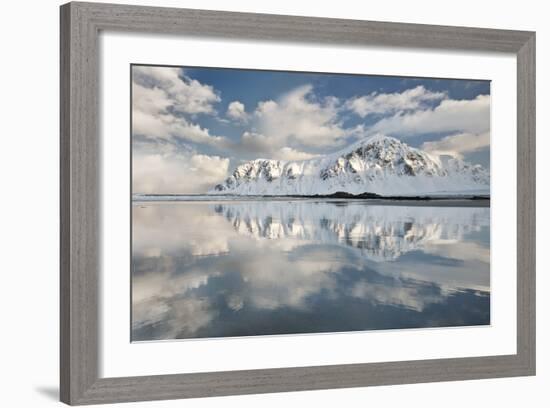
(298, 124)
(295, 119)
(288, 153)
(262, 144)
(457, 144)
(170, 173)
(169, 107)
(186, 95)
(465, 116)
(385, 103)
(256, 142)
(236, 111)
(166, 126)
(161, 99)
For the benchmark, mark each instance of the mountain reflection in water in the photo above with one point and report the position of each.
(240, 268)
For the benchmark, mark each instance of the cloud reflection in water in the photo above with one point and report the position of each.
(206, 269)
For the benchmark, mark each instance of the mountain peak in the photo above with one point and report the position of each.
(379, 164)
(379, 138)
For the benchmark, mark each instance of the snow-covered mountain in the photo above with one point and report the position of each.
(380, 164)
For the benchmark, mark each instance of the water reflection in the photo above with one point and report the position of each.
(207, 269)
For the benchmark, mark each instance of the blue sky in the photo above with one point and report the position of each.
(202, 122)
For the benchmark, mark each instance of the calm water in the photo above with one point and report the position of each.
(230, 268)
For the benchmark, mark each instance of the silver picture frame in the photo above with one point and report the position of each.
(81, 24)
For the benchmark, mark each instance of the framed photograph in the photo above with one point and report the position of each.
(261, 203)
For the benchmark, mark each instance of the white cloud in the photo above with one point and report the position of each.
(385, 103)
(160, 98)
(296, 119)
(465, 116)
(170, 173)
(236, 110)
(259, 143)
(186, 95)
(256, 142)
(298, 124)
(150, 100)
(288, 153)
(162, 125)
(458, 144)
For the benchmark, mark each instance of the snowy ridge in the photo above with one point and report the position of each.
(380, 164)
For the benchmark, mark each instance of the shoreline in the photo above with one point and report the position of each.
(416, 201)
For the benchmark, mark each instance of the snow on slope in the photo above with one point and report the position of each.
(380, 164)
